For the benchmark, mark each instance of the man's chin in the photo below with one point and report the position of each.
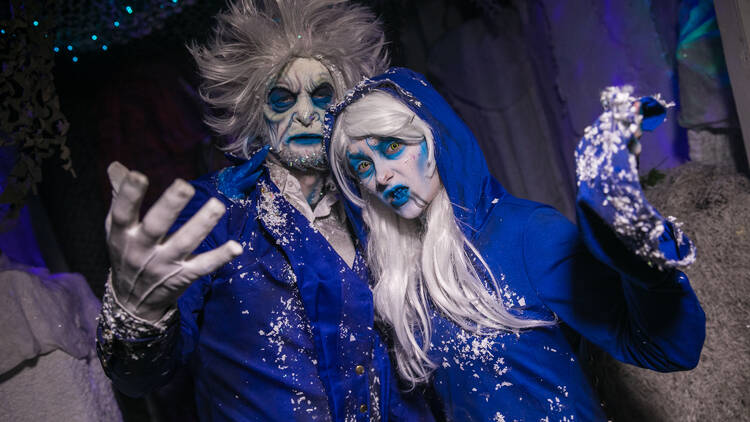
(303, 157)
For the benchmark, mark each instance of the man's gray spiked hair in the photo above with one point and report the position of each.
(254, 41)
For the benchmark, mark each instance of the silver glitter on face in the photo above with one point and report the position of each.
(294, 114)
(313, 158)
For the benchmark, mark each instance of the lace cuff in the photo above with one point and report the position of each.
(608, 181)
(122, 332)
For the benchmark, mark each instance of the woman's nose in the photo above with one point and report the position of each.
(384, 176)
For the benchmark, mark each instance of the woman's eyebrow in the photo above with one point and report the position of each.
(357, 156)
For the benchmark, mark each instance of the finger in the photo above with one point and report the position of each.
(190, 235)
(127, 203)
(167, 208)
(208, 262)
(117, 173)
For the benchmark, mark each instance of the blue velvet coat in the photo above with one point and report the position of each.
(276, 334)
(545, 267)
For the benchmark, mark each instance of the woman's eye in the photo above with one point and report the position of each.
(281, 99)
(363, 166)
(393, 147)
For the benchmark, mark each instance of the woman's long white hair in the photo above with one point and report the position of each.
(418, 262)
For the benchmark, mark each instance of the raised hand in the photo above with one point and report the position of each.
(608, 181)
(150, 270)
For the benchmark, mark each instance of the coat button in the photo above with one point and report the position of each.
(359, 369)
(363, 408)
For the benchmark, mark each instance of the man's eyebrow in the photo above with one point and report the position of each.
(316, 82)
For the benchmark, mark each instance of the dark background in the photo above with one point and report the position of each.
(524, 74)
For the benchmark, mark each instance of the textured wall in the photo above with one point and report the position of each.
(714, 204)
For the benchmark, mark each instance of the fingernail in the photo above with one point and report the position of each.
(216, 206)
(235, 248)
(138, 179)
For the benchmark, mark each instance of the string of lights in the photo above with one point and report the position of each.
(95, 25)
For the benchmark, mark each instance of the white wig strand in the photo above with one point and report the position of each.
(418, 263)
(254, 41)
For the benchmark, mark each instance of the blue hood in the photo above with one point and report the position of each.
(461, 164)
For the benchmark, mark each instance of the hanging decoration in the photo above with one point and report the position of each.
(95, 25)
(32, 127)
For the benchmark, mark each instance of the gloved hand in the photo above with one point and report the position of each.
(608, 182)
(150, 270)
(237, 181)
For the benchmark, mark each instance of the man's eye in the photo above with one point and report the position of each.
(322, 95)
(281, 99)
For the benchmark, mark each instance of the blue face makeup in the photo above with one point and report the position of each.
(397, 172)
(281, 99)
(294, 111)
(306, 139)
(391, 148)
(361, 165)
(398, 195)
(322, 95)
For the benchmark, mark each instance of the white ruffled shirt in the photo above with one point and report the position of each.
(328, 216)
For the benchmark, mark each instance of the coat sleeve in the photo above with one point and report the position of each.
(636, 312)
(140, 357)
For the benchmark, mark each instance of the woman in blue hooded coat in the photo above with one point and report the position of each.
(481, 290)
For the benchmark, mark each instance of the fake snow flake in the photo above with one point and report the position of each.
(510, 298)
(502, 384)
(269, 212)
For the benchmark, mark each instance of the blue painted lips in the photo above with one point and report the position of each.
(398, 195)
(306, 139)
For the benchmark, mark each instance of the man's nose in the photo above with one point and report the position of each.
(305, 112)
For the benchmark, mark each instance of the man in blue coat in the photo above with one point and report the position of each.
(248, 277)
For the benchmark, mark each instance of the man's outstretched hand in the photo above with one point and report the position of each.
(150, 270)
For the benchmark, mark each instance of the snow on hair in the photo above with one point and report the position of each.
(418, 263)
(254, 41)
